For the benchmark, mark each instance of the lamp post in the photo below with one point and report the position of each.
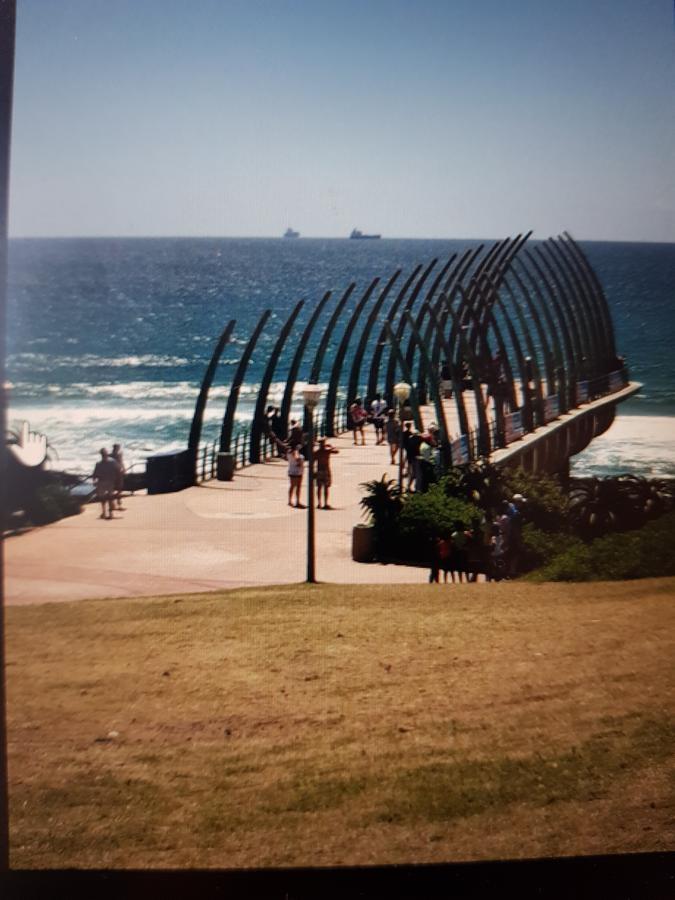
(311, 396)
(401, 392)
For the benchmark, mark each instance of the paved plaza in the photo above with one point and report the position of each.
(215, 535)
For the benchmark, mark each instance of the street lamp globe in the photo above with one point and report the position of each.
(311, 395)
(402, 391)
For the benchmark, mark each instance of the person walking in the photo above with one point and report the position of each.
(106, 474)
(119, 487)
(322, 455)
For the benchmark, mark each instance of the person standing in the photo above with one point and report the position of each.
(412, 444)
(378, 408)
(296, 462)
(393, 434)
(323, 473)
(358, 417)
(106, 472)
(119, 487)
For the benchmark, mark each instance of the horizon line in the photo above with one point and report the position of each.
(267, 237)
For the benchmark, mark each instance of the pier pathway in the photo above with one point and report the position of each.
(217, 535)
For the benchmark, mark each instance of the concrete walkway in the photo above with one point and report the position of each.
(223, 534)
(217, 535)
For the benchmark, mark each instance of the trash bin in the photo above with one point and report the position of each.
(225, 470)
(363, 543)
(169, 472)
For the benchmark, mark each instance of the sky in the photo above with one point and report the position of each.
(413, 118)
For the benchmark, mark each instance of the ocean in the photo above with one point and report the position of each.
(108, 339)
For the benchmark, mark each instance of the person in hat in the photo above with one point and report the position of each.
(322, 454)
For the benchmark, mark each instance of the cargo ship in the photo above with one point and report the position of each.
(357, 235)
(289, 233)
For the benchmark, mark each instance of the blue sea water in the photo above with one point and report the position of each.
(108, 339)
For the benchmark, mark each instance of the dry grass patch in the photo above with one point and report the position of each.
(342, 725)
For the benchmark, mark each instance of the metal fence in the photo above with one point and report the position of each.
(207, 456)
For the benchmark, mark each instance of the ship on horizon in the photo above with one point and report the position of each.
(357, 235)
(289, 233)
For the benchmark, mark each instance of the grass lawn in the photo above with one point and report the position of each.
(333, 725)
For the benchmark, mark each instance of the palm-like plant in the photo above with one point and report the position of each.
(477, 482)
(381, 505)
(600, 505)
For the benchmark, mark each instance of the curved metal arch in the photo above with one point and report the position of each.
(465, 348)
(428, 298)
(520, 357)
(580, 305)
(297, 360)
(237, 381)
(489, 260)
(549, 340)
(430, 330)
(333, 384)
(599, 292)
(355, 372)
(317, 365)
(400, 328)
(382, 339)
(561, 329)
(484, 320)
(421, 366)
(436, 396)
(587, 302)
(457, 390)
(579, 324)
(406, 374)
(472, 297)
(568, 326)
(510, 254)
(449, 289)
(431, 293)
(200, 405)
(545, 352)
(578, 273)
(259, 414)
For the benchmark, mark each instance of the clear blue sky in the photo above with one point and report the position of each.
(415, 118)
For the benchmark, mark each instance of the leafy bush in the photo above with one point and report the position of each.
(430, 515)
(599, 506)
(645, 553)
(547, 503)
(540, 547)
(478, 482)
(381, 506)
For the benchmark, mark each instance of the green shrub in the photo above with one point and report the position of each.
(381, 506)
(433, 514)
(542, 547)
(645, 553)
(479, 483)
(547, 505)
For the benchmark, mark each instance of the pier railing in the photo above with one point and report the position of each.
(207, 457)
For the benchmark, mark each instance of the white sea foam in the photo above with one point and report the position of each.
(642, 445)
(45, 361)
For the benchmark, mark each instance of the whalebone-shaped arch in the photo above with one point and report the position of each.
(237, 381)
(259, 420)
(285, 410)
(336, 371)
(200, 406)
